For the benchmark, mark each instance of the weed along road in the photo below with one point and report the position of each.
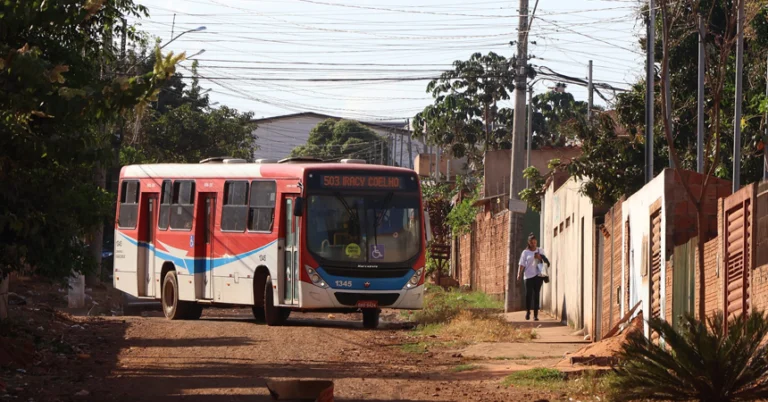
(226, 356)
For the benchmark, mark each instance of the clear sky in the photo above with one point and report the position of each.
(266, 56)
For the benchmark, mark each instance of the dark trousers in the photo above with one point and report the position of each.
(532, 292)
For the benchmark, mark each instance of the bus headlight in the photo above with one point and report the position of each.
(415, 279)
(315, 277)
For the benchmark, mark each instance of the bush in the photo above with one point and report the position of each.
(696, 362)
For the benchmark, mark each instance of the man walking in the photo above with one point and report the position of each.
(529, 270)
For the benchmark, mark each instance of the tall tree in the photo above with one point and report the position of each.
(335, 139)
(54, 97)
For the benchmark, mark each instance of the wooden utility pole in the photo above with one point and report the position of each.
(517, 207)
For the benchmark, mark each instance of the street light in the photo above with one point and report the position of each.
(196, 54)
(198, 29)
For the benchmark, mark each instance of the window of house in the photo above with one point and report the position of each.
(129, 204)
(165, 205)
(261, 211)
(234, 213)
(183, 205)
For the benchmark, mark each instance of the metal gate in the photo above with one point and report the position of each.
(737, 251)
(655, 274)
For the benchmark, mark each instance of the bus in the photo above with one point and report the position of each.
(298, 234)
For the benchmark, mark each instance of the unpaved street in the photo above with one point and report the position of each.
(226, 357)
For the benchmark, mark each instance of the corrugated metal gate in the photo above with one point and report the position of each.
(737, 251)
(655, 274)
(683, 280)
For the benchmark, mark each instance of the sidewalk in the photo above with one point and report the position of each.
(552, 343)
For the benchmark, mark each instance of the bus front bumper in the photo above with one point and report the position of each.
(316, 297)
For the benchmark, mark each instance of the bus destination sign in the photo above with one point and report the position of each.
(362, 182)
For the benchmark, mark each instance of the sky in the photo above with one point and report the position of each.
(371, 60)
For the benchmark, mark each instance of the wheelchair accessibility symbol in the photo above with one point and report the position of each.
(377, 251)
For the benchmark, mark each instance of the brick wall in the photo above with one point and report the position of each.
(483, 254)
(611, 309)
(668, 292)
(683, 220)
(714, 289)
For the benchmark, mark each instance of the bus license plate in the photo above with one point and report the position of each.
(367, 304)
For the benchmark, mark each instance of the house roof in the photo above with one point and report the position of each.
(381, 126)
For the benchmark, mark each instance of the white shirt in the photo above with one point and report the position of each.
(530, 263)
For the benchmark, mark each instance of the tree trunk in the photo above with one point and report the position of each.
(96, 242)
(4, 282)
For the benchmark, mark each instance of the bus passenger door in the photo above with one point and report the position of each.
(209, 225)
(148, 231)
(291, 252)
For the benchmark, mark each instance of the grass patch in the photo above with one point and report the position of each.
(465, 367)
(415, 347)
(440, 306)
(485, 327)
(589, 383)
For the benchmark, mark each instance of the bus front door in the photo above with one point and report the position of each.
(291, 253)
(147, 230)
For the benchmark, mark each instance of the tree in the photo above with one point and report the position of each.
(552, 111)
(54, 98)
(465, 113)
(335, 139)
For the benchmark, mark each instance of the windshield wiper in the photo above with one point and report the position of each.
(351, 212)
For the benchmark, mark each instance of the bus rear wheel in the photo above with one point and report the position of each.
(371, 318)
(273, 315)
(173, 308)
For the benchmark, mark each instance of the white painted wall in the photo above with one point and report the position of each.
(563, 294)
(278, 137)
(637, 209)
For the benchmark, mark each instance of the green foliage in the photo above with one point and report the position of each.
(464, 117)
(552, 111)
(698, 363)
(463, 214)
(465, 367)
(337, 139)
(440, 306)
(53, 101)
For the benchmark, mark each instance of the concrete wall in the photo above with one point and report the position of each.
(569, 234)
(277, 137)
(426, 164)
(497, 165)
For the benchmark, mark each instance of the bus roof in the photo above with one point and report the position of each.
(245, 170)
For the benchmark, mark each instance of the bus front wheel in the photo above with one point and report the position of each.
(371, 318)
(273, 315)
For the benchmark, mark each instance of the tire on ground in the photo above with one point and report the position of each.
(273, 315)
(371, 318)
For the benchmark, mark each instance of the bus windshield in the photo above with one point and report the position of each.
(364, 229)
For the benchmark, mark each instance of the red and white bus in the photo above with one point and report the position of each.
(298, 234)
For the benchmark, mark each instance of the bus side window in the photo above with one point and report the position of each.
(183, 205)
(234, 213)
(261, 211)
(129, 204)
(165, 205)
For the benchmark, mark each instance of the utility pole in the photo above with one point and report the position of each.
(410, 149)
(650, 77)
(765, 135)
(590, 90)
(668, 96)
(438, 170)
(737, 112)
(401, 149)
(517, 207)
(700, 102)
(530, 130)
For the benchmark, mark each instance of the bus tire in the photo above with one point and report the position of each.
(194, 311)
(273, 315)
(173, 308)
(371, 318)
(258, 314)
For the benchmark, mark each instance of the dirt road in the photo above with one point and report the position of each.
(226, 356)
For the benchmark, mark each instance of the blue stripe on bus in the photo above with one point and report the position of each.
(359, 283)
(196, 265)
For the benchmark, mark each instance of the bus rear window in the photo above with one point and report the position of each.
(183, 205)
(129, 204)
(234, 213)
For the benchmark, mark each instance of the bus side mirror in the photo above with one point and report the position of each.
(298, 206)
